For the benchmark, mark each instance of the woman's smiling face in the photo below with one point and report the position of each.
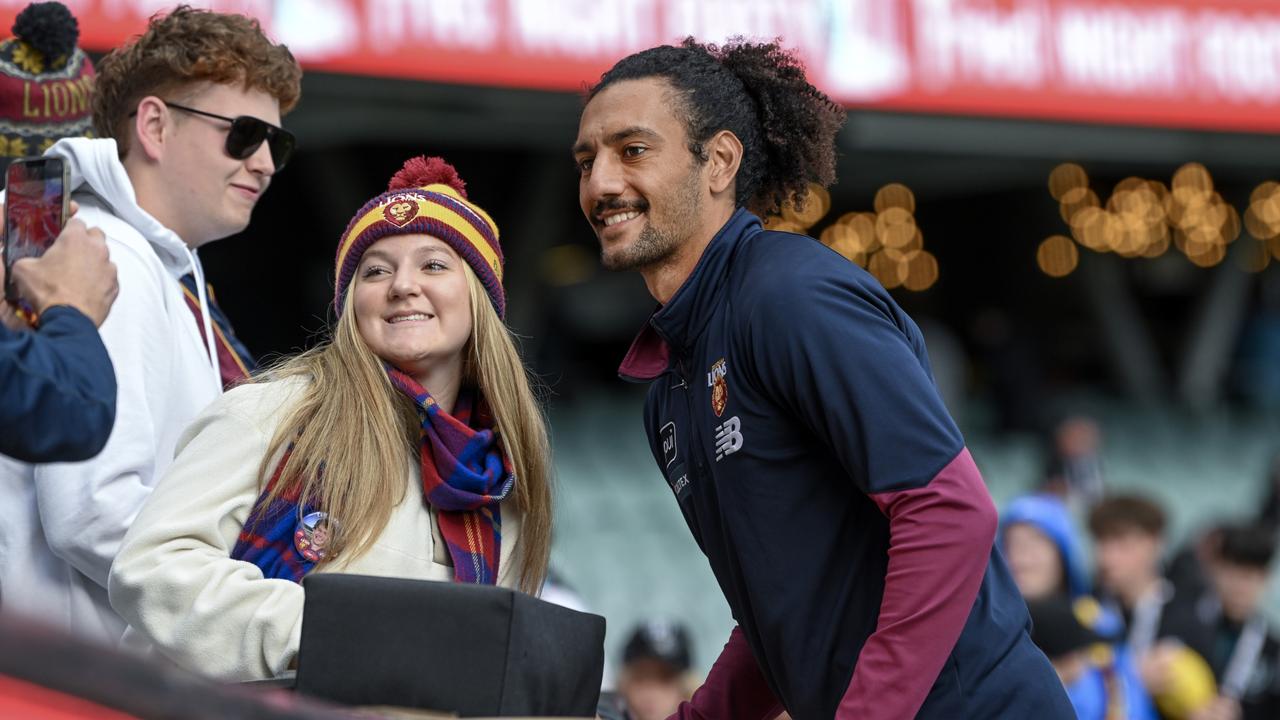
(412, 304)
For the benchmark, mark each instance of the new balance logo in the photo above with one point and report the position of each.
(728, 437)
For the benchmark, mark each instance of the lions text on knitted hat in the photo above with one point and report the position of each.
(426, 197)
(45, 82)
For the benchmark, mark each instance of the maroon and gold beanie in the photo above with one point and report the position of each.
(45, 82)
(426, 197)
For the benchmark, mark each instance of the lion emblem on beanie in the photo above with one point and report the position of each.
(400, 212)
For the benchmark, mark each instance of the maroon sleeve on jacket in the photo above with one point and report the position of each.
(940, 539)
(735, 688)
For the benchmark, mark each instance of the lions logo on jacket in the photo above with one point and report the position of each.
(719, 386)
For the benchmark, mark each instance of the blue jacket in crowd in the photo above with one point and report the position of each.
(57, 390)
(1090, 694)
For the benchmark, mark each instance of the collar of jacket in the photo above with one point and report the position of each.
(674, 327)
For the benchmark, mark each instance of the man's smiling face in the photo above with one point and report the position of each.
(639, 185)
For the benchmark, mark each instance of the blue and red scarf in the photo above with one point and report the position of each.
(465, 475)
(235, 364)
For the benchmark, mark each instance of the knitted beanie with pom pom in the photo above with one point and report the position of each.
(46, 82)
(426, 197)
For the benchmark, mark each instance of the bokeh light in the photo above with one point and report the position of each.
(1191, 182)
(1158, 242)
(1066, 177)
(888, 271)
(1087, 228)
(1075, 200)
(843, 240)
(1143, 218)
(895, 195)
(895, 227)
(863, 226)
(922, 271)
(817, 201)
(909, 250)
(888, 242)
(1205, 254)
(1057, 256)
(1262, 217)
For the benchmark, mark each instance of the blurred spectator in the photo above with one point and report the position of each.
(57, 386)
(655, 671)
(1075, 466)
(1246, 654)
(1189, 569)
(1040, 545)
(1097, 690)
(42, 58)
(1162, 630)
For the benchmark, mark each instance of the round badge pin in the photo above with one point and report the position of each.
(313, 536)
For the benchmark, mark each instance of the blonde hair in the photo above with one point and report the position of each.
(354, 434)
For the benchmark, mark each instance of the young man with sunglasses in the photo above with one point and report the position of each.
(189, 120)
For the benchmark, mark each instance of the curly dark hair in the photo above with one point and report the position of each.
(189, 46)
(757, 91)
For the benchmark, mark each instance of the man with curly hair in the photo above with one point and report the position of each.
(793, 412)
(188, 123)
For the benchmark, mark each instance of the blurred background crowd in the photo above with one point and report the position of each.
(1077, 202)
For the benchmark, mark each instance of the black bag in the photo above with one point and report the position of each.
(473, 650)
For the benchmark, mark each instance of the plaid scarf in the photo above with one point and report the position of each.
(268, 538)
(235, 364)
(465, 475)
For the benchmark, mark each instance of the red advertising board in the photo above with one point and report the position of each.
(1204, 64)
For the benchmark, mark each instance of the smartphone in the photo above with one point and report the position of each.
(36, 206)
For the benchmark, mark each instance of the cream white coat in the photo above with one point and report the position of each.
(176, 584)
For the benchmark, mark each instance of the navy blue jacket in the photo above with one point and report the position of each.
(57, 390)
(794, 415)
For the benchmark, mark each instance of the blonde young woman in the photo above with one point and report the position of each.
(410, 445)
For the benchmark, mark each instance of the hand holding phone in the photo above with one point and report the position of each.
(76, 271)
(36, 207)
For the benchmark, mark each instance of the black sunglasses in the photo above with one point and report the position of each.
(247, 134)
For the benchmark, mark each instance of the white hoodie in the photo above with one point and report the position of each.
(61, 524)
